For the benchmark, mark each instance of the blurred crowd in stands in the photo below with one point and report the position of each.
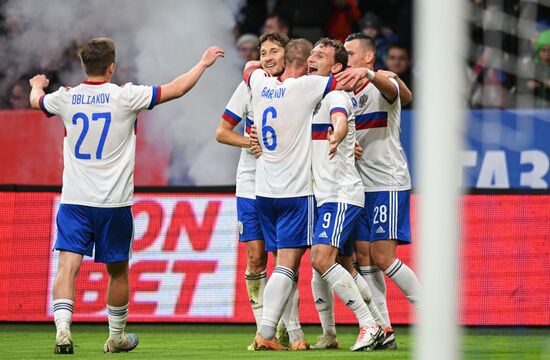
(508, 59)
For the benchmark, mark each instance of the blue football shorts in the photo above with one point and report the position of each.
(248, 220)
(110, 230)
(386, 216)
(335, 224)
(286, 222)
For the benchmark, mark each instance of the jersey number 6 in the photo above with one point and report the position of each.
(85, 126)
(266, 129)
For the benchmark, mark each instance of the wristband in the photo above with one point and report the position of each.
(370, 74)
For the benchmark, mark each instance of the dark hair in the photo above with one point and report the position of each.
(275, 37)
(398, 45)
(340, 53)
(365, 40)
(297, 51)
(283, 22)
(97, 55)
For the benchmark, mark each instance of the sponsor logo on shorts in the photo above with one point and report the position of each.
(323, 235)
(380, 230)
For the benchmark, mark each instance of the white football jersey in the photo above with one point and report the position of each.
(336, 179)
(283, 117)
(100, 141)
(237, 109)
(383, 166)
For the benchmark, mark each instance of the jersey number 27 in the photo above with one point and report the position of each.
(85, 126)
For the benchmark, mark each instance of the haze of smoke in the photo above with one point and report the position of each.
(166, 38)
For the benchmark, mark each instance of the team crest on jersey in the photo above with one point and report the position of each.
(363, 100)
(317, 107)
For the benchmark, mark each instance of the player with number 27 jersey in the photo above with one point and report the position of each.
(99, 147)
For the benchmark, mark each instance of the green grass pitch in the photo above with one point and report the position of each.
(221, 342)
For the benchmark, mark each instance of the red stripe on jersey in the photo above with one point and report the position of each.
(361, 88)
(229, 119)
(371, 124)
(319, 135)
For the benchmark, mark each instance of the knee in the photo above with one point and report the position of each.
(318, 262)
(257, 261)
(383, 260)
(363, 255)
(68, 270)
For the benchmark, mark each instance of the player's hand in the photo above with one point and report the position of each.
(387, 74)
(350, 77)
(40, 81)
(332, 143)
(211, 55)
(358, 151)
(254, 144)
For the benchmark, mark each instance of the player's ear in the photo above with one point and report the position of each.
(336, 68)
(111, 68)
(370, 57)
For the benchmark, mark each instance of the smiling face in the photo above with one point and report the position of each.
(321, 60)
(272, 58)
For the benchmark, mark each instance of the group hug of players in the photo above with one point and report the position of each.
(321, 168)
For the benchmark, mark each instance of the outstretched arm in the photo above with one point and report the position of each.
(354, 76)
(181, 85)
(38, 83)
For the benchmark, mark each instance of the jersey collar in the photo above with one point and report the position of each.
(361, 88)
(94, 82)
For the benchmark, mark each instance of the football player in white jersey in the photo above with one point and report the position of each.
(385, 221)
(338, 190)
(272, 48)
(282, 108)
(98, 182)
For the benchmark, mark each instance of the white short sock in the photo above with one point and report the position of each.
(405, 279)
(342, 284)
(255, 285)
(118, 315)
(375, 280)
(366, 294)
(324, 302)
(63, 314)
(276, 295)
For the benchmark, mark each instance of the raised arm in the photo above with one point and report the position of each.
(38, 84)
(405, 94)
(181, 85)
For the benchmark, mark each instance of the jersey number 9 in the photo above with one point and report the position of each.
(266, 129)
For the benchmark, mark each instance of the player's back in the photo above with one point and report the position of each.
(283, 117)
(100, 141)
(383, 166)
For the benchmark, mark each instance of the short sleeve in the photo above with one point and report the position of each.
(237, 106)
(254, 77)
(141, 97)
(339, 102)
(317, 87)
(50, 104)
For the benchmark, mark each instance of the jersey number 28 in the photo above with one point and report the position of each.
(85, 126)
